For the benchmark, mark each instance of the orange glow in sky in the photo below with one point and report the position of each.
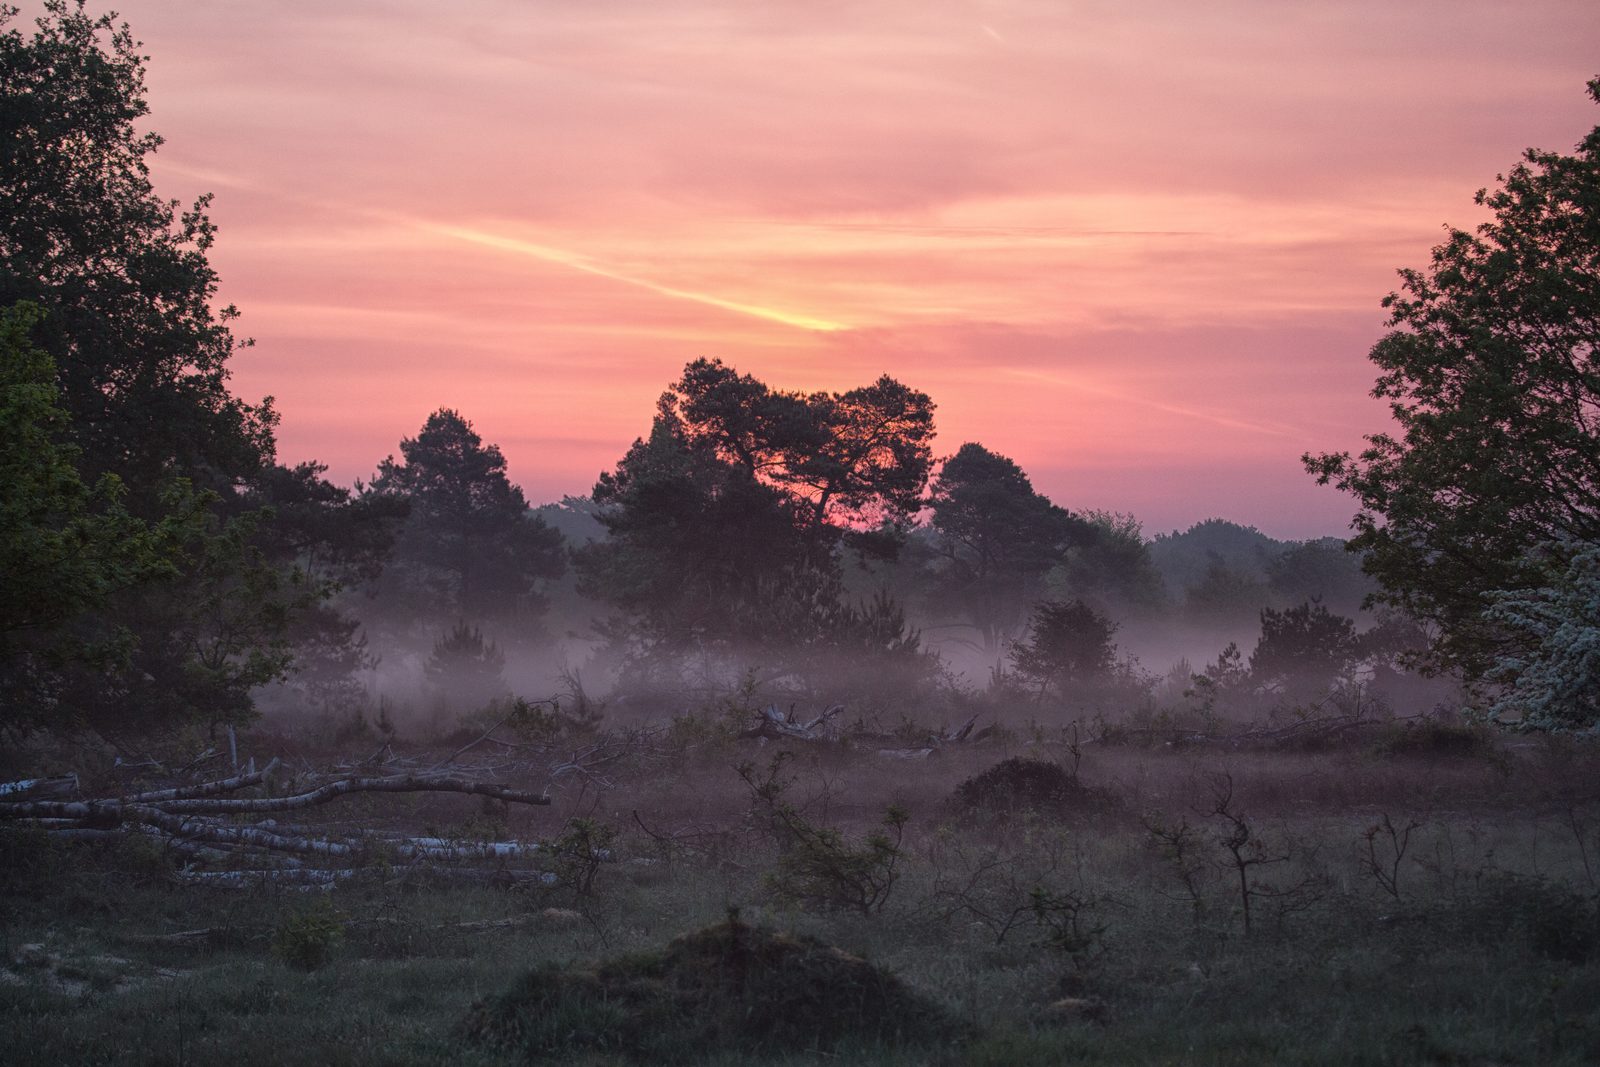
(1139, 248)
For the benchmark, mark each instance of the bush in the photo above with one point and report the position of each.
(1434, 737)
(306, 939)
(819, 865)
(1557, 921)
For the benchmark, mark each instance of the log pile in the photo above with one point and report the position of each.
(222, 838)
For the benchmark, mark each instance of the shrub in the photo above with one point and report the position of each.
(819, 865)
(307, 938)
(1434, 737)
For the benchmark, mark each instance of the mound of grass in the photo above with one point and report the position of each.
(727, 988)
(1017, 785)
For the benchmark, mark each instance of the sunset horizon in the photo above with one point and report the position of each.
(1140, 253)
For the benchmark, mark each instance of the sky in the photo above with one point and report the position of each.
(1139, 248)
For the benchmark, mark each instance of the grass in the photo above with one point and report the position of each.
(1487, 953)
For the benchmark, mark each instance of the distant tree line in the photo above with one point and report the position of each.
(162, 567)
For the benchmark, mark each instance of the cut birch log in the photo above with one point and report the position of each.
(60, 787)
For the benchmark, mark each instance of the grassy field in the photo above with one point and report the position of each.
(1434, 904)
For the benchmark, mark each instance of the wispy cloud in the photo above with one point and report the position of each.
(565, 258)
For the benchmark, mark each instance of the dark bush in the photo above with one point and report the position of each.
(1557, 920)
(1434, 737)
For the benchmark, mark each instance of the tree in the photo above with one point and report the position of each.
(846, 460)
(1068, 644)
(1492, 375)
(1224, 596)
(997, 538)
(66, 548)
(725, 523)
(339, 540)
(140, 362)
(466, 671)
(1320, 569)
(470, 544)
(1555, 685)
(1303, 649)
(1111, 565)
(122, 274)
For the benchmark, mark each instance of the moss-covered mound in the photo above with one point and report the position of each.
(729, 987)
(1017, 785)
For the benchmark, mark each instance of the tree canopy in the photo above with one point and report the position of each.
(470, 546)
(124, 292)
(725, 523)
(1491, 480)
(121, 274)
(997, 539)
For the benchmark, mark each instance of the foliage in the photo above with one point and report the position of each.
(308, 937)
(1067, 643)
(1322, 570)
(819, 865)
(1491, 375)
(338, 540)
(141, 362)
(66, 548)
(1224, 596)
(469, 542)
(1552, 681)
(1302, 649)
(465, 669)
(1184, 557)
(122, 274)
(725, 524)
(997, 539)
(577, 856)
(1110, 565)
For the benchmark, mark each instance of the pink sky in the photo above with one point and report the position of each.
(1137, 247)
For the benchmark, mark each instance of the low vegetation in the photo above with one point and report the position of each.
(1228, 907)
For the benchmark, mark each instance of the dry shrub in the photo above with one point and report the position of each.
(727, 988)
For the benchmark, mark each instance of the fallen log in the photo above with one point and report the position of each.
(407, 783)
(201, 823)
(60, 787)
(206, 789)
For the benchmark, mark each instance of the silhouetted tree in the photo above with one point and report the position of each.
(1323, 570)
(466, 671)
(141, 362)
(1068, 643)
(997, 538)
(1303, 650)
(725, 523)
(469, 545)
(1492, 373)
